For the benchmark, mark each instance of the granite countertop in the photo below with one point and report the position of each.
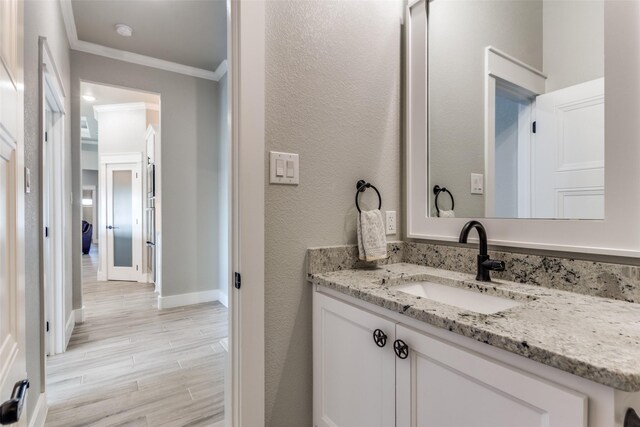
(594, 338)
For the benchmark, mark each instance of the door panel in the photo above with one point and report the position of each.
(124, 225)
(568, 166)
(12, 313)
(441, 385)
(354, 379)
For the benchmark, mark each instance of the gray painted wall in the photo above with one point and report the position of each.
(459, 31)
(573, 53)
(223, 173)
(333, 95)
(189, 181)
(41, 18)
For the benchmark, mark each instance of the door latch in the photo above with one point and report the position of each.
(11, 410)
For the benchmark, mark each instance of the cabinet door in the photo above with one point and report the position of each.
(442, 385)
(353, 378)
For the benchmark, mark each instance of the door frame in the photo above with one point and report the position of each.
(245, 386)
(120, 159)
(52, 100)
(501, 65)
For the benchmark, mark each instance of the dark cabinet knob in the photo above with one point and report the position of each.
(379, 337)
(631, 419)
(401, 348)
(11, 410)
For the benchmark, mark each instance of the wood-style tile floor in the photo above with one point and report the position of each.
(131, 364)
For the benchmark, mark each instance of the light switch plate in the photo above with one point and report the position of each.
(391, 225)
(477, 183)
(281, 165)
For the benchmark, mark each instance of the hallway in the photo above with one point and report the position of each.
(131, 364)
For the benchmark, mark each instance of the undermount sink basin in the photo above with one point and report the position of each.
(461, 298)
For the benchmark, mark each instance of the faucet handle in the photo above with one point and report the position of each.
(494, 265)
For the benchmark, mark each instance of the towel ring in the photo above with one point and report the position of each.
(437, 190)
(362, 185)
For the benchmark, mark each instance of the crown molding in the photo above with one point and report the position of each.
(134, 58)
(129, 106)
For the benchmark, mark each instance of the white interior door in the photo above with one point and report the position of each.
(48, 221)
(568, 164)
(124, 222)
(12, 314)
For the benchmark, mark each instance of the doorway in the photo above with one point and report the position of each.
(123, 212)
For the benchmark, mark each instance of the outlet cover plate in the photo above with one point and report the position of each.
(391, 224)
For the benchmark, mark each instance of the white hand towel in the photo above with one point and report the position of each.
(372, 240)
(447, 214)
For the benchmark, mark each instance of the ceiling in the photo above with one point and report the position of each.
(186, 32)
(106, 95)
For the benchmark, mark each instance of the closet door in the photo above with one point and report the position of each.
(353, 377)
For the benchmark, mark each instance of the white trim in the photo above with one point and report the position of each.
(68, 330)
(245, 395)
(619, 233)
(134, 58)
(39, 415)
(51, 99)
(223, 298)
(79, 314)
(180, 300)
(522, 78)
(129, 106)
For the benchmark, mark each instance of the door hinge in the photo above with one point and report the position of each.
(46, 136)
(47, 325)
(46, 232)
(238, 280)
(534, 127)
(136, 268)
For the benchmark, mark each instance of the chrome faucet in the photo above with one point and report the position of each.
(485, 265)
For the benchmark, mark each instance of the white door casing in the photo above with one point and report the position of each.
(354, 379)
(437, 376)
(568, 153)
(128, 167)
(12, 268)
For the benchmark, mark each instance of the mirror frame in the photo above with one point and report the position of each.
(619, 233)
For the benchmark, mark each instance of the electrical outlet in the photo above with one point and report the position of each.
(391, 224)
(477, 183)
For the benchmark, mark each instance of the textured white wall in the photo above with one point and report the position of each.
(333, 95)
(41, 18)
(459, 31)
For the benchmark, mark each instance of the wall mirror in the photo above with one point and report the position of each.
(522, 112)
(516, 108)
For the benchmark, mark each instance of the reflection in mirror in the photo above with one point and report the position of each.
(516, 108)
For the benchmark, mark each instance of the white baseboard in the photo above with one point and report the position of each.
(223, 298)
(71, 323)
(39, 415)
(79, 315)
(191, 298)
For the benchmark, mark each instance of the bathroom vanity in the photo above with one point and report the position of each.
(409, 345)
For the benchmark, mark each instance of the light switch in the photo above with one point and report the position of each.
(477, 183)
(279, 167)
(284, 168)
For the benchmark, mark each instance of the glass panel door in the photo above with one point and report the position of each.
(122, 218)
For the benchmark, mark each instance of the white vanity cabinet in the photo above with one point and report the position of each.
(354, 379)
(438, 384)
(442, 385)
